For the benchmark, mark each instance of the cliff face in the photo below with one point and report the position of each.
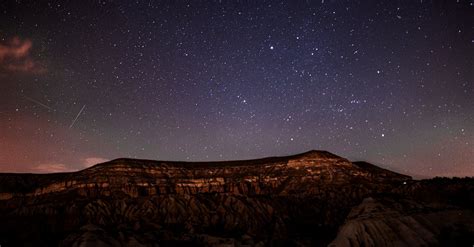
(300, 200)
(300, 174)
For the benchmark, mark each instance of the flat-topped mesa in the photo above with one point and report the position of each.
(310, 158)
(319, 154)
(316, 158)
(319, 165)
(301, 173)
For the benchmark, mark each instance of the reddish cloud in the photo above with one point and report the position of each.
(58, 167)
(15, 56)
(25, 149)
(88, 162)
(49, 168)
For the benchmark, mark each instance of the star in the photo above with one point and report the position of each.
(161, 81)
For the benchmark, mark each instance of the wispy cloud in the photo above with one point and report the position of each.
(15, 56)
(48, 168)
(88, 162)
(59, 167)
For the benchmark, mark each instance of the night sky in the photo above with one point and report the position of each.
(389, 82)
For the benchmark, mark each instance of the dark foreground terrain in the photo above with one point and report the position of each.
(311, 199)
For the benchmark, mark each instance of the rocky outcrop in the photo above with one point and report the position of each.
(401, 222)
(302, 174)
(293, 200)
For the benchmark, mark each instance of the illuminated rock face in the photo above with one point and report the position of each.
(296, 199)
(302, 174)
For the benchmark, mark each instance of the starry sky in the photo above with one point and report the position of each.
(389, 82)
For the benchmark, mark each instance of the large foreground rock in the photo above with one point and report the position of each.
(401, 222)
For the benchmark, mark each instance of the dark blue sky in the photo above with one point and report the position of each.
(390, 82)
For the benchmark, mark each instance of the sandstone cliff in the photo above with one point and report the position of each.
(294, 200)
(300, 174)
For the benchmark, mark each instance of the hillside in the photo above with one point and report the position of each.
(301, 199)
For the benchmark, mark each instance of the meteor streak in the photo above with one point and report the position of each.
(37, 102)
(77, 116)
